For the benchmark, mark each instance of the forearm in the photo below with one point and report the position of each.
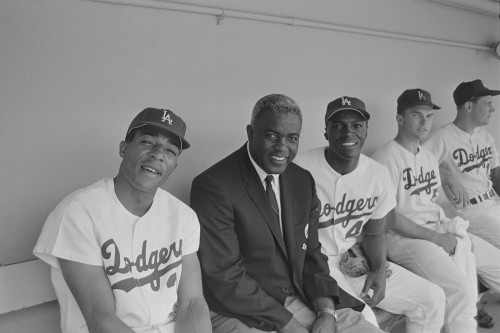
(407, 228)
(495, 179)
(91, 290)
(101, 323)
(375, 250)
(194, 317)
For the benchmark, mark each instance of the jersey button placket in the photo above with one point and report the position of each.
(136, 248)
(137, 240)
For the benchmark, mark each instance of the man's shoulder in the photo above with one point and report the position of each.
(366, 162)
(295, 171)
(226, 167)
(384, 151)
(313, 160)
(427, 153)
(90, 195)
(171, 204)
(484, 133)
(443, 131)
(371, 171)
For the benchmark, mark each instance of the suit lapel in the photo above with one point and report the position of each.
(287, 219)
(258, 195)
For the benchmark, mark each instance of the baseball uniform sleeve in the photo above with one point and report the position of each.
(387, 198)
(436, 144)
(69, 234)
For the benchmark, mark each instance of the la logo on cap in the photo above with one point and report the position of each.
(166, 117)
(345, 101)
(421, 96)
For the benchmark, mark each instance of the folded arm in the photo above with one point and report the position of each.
(454, 190)
(495, 179)
(407, 228)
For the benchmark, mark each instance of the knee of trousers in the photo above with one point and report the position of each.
(459, 291)
(436, 300)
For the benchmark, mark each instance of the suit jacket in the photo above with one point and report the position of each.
(248, 265)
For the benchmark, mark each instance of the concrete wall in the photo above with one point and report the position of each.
(74, 73)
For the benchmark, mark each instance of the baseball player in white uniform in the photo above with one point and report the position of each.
(469, 160)
(357, 197)
(423, 239)
(123, 251)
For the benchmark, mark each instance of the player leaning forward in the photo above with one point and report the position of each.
(123, 251)
(423, 239)
(357, 197)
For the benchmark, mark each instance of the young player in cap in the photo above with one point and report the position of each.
(123, 251)
(423, 239)
(357, 197)
(469, 160)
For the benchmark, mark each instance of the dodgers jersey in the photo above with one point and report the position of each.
(416, 178)
(348, 201)
(141, 256)
(468, 157)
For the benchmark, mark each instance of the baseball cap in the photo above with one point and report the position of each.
(466, 90)
(164, 119)
(415, 97)
(346, 103)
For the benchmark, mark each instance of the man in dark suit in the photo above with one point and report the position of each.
(261, 262)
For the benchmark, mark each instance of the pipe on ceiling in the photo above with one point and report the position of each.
(220, 14)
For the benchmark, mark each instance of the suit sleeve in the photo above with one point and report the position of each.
(229, 290)
(317, 279)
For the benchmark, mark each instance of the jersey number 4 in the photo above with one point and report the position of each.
(355, 230)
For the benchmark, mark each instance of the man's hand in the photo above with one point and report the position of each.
(447, 241)
(374, 280)
(456, 193)
(293, 326)
(325, 323)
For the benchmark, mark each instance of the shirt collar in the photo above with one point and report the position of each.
(262, 174)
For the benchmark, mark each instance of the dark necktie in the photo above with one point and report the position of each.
(272, 196)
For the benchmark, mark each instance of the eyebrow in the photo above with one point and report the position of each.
(173, 140)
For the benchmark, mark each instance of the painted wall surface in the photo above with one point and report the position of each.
(74, 73)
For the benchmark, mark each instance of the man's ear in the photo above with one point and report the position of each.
(123, 148)
(326, 135)
(399, 119)
(250, 132)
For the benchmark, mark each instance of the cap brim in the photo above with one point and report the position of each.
(434, 106)
(185, 144)
(489, 92)
(364, 114)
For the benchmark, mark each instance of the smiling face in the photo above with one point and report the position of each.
(346, 133)
(274, 140)
(415, 122)
(148, 159)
